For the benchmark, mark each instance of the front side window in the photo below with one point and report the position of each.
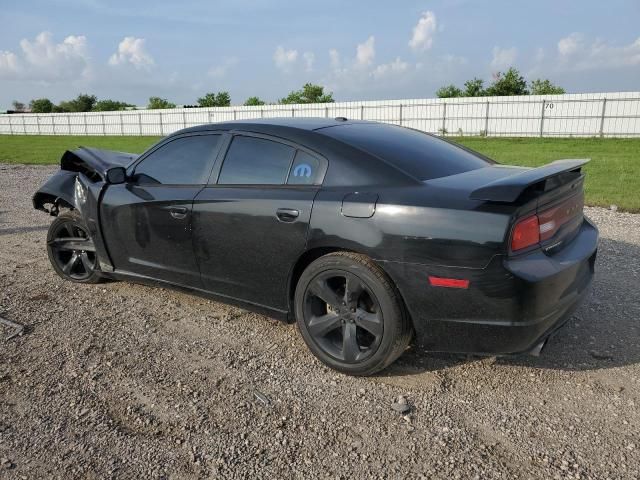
(256, 161)
(184, 161)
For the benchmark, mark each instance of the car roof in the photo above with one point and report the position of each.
(301, 123)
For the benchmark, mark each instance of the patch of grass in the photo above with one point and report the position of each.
(613, 175)
(47, 149)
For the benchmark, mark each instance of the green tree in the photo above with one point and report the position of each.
(220, 99)
(253, 102)
(508, 83)
(545, 87)
(82, 103)
(18, 106)
(41, 105)
(474, 88)
(156, 103)
(111, 106)
(448, 91)
(310, 93)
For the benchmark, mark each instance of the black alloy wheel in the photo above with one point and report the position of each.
(343, 316)
(350, 314)
(71, 250)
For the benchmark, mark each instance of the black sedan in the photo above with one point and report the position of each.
(366, 235)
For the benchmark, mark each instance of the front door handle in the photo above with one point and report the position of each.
(178, 212)
(287, 214)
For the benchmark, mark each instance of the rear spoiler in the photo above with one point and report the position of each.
(508, 189)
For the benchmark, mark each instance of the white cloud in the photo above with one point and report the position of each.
(46, 61)
(569, 45)
(423, 32)
(504, 57)
(397, 66)
(8, 63)
(366, 52)
(221, 70)
(309, 59)
(576, 54)
(334, 58)
(285, 59)
(132, 51)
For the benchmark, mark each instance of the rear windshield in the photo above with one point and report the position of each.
(420, 155)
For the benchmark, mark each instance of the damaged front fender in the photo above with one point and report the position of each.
(57, 191)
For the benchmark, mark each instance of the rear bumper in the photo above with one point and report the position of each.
(510, 306)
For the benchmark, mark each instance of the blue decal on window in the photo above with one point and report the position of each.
(302, 170)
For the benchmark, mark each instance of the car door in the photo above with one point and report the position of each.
(250, 224)
(147, 220)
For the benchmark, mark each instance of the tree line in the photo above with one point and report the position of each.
(508, 83)
(309, 93)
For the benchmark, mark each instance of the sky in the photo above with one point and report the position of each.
(359, 50)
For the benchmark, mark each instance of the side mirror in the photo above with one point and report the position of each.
(116, 175)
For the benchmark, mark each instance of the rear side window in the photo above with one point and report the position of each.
(184, 161)
(420, 155)
(305, 170)
(256, 161)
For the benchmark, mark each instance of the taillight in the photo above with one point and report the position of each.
(525, 233)
(552, 219)
(547, 223)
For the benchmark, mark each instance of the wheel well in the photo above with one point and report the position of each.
(41, 199)
(305, 260)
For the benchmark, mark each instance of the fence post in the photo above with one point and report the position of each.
(326, 112)
(69, 124)
(444, 119)
(140, 123)
(38, 123)
(84, 119)
(604, 109)
(544, 104)
(234, 115)
(104, 127)
(293, 112)
(486, 120)
(53, 124)
(161, 126)
(400, 114)
(262, 113)
(121, 124)
(10, 127)
(361, 112)
(184, 120)
(24, 125)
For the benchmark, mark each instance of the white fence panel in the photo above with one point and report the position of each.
(602, 115)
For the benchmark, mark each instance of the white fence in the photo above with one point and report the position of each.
(580, 115)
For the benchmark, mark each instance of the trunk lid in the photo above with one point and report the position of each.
(553, 193)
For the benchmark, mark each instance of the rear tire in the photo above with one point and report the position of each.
(350, 314)
(71, 250)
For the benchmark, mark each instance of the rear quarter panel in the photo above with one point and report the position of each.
(413, 225)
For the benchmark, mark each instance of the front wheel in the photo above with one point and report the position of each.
(71, 250)
(350, 314)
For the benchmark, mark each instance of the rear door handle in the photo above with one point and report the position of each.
(287, 214)
(178, 212)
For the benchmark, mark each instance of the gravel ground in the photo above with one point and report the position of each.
(126, 381)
